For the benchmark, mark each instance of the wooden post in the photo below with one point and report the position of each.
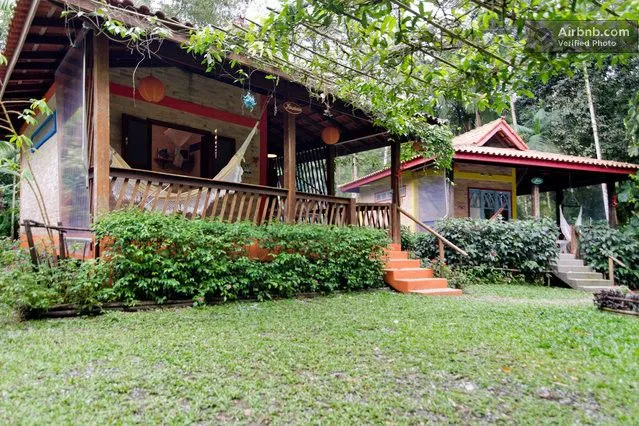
(32, 249)
(536, 210)
(330, 169)
(396, 200)
(450, 187)
(611, 271)
(352, 212)
(62, 249)
(290, 166)
(440, 246)
(559, 200)
(101, 123)
(612, 208)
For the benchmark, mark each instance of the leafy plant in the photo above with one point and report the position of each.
(157, 257)
(525, 246)
(598, 241)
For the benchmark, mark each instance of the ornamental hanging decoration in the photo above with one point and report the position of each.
(151, 89)
(330, 135)
(249, 101)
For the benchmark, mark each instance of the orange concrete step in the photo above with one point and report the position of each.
(407, 276)
(396, 254)
(398, 274)
(438, 292)
(402, 263)
(414, 284)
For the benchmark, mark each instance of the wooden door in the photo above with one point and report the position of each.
(136, 142)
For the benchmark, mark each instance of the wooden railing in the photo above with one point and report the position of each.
(611, 268)
(374, 215)
(232, 202)
(441, 240)
(322, 209)
(195, 197)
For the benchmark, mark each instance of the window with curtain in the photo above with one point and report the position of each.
(484, 203)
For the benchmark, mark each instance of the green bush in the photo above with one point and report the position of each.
(30, 290)
(526, 246)
(408, 238)
(598, 241)
(156, 257)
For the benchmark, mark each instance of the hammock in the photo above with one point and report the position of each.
(232, 172)
(566, 228)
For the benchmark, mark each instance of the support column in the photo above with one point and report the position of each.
(559, 200)
(396, 199)
(330, 169)
(101, 123)
(536, 208)
(290, 166)
(612, 208)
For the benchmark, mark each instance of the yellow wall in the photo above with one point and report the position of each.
(466, 175)
(482, 176)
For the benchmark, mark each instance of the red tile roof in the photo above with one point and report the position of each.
(470, 146)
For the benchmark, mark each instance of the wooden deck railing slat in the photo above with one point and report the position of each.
(197, 197)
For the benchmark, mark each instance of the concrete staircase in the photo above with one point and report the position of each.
(406, 276)
(578, 275)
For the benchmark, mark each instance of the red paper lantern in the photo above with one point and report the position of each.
(151, 89)
(330, 135)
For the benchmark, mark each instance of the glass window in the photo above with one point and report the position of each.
(484, 203)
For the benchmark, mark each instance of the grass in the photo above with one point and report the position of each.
(499, 353)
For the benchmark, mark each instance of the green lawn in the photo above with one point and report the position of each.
(514, 354)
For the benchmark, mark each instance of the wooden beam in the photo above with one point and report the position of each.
(290, 166)
(330, 169)
(26, 87)
(612, 207)
(101, 127)
(42, 55)
(536, 210)
(559, 200)
(42, 66)
(47, 39)
(31, 76)
(396, 199)
(50, 22)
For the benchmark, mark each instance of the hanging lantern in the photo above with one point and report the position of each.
(330, 135)
(151, 89)
(249, 101)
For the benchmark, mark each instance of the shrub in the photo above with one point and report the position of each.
(156, 257)
(598, 241)
(30, 290)
(526, 246)
(408, 238)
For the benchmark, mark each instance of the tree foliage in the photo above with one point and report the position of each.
(6, 12)
(199, 12)
(399, 60)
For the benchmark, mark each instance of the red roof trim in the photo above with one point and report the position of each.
(407, 165)
(553, 164)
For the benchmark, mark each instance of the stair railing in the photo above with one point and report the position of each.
(441, 240)
(611, 268)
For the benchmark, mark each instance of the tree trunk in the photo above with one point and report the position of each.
(354, 164)
(12, 232)
(595, 136)
(513, 114)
